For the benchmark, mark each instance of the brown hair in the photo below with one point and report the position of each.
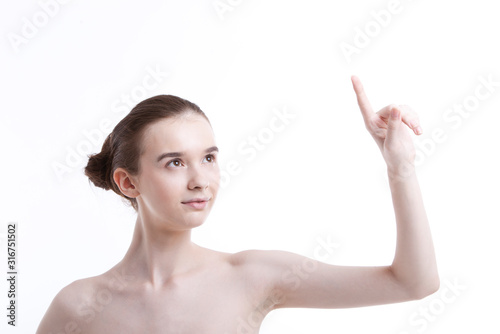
(123, 146)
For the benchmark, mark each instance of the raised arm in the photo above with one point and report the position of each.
(414, 263)
(297, 281)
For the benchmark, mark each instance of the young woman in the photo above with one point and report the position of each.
(162, 157)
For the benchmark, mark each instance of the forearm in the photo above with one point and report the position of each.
(414, 263)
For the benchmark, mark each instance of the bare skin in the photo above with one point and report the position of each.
(167, 284)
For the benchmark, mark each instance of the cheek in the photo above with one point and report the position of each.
(214, 176)
(172, 187)
(165, 187)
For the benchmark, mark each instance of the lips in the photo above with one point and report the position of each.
(199, 200)
(197, 203)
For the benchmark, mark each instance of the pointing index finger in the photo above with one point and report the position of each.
(364, 104)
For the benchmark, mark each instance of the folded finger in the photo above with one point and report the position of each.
(410, 118)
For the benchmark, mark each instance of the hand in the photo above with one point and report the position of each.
(389, 133)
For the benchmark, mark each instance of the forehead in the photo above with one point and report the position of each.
(188, 132)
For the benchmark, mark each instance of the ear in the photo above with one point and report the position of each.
(126, 183)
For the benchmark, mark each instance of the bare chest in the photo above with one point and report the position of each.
(212, 305)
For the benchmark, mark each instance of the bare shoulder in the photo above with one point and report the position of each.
(65, 312)
(269, 272)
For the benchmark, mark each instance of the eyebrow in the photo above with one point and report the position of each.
(179, 154)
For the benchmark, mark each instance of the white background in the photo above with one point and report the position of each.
(321, 177)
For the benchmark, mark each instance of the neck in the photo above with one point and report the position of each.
(157, 256)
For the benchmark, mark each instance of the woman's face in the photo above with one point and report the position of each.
(178, 165)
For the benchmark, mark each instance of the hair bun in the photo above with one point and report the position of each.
(98, 166)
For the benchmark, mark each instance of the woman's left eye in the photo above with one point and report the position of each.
(209, 158)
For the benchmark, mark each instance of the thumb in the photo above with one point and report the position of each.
(393, 124)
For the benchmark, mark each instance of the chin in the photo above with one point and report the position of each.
(193, 222)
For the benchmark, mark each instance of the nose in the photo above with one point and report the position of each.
(198, 179)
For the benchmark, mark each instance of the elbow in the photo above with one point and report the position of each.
(426, 289)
